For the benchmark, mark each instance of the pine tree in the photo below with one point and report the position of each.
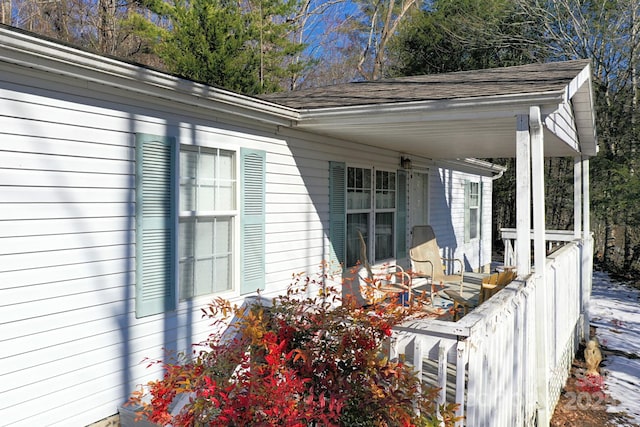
(240, 46)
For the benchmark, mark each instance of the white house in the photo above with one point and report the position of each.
(129, 198)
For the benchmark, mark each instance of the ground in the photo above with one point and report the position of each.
(612, 399)
(578, 407)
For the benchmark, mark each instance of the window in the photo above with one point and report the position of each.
(207, 210)
(472, 214)
(189, 211)
(371, 207)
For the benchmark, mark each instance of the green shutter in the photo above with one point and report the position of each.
(337, 212)
(252, 240)
(401, 216)
(467, 224)
(155, 229)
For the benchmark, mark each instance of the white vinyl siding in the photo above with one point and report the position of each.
(71, 345)
(449, 214)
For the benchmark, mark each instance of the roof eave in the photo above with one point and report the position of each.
(449, 109)
(99, 71)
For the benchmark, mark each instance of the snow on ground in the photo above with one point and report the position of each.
(615, 312)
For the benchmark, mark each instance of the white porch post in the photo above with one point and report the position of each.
(586, 210)
(577, 197)
(523, 196)
(587, 248)
(540, 256)
(537, 172)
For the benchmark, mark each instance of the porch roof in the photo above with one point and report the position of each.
(456, 115)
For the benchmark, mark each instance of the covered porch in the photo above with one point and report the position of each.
(505, 362)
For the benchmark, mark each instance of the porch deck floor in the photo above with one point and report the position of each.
(470, 290)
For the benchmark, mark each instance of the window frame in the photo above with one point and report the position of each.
(372, 211)
(183, 216)
(470, 207)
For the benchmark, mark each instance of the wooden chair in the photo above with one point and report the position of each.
(490, 286)
(391, 282)
(427, 262)
(495, 282)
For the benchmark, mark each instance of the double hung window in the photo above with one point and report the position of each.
(472, 214)
(371, 208)
(208, 216)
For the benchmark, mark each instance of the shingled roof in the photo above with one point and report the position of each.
(532, 78)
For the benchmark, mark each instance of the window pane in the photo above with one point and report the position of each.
(188, 163)
(226, 195)
(366, 180)
(222, 280)
(385, 190)
(207, 166)
(225, 165)
(223, 236)
(204, 238)
(385, 200)
(206, 181)
(188, 170)
(355, 223)
(473, 223)
(474, 194)
(186, 271)
(186, 233)
(206, 196)
(384, 235)
(351, 177)
(225, 181)
(204, 276)
(359, 200)
(187, 196)
(358, 188)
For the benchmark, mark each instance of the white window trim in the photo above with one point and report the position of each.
(478, 208)
(372, 212)
(187, 303)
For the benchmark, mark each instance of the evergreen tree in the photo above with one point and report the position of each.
(457, 35)
(241, 46)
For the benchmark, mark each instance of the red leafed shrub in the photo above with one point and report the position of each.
(300, 361)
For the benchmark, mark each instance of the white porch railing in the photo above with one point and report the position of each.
(486, 362)
(554, 239)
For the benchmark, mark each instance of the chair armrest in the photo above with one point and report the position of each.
(427, 262)
(458, 260)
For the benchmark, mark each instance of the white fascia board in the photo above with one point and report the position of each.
(580, 93)
(578, 82)
(101, 71)
(472, 165)
(421, 111)
(562, 124)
